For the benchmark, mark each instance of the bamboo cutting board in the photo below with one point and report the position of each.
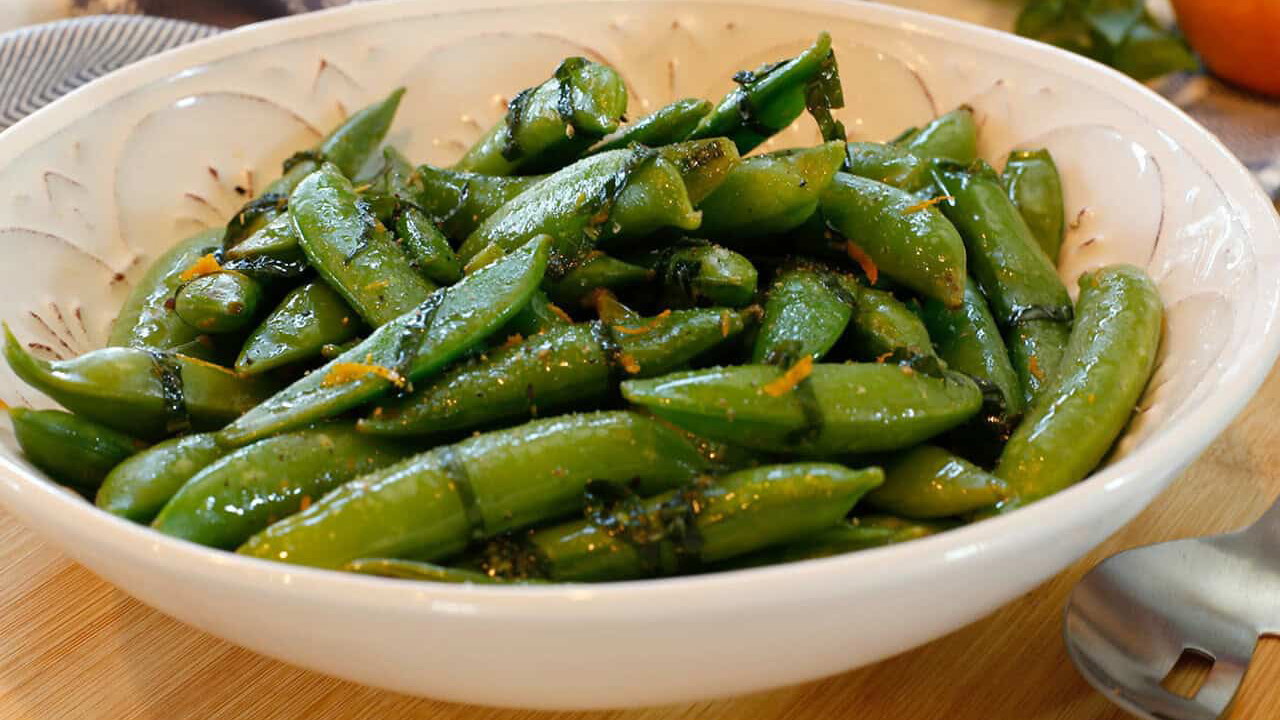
(74, 648)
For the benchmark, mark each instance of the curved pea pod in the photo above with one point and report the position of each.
(666, 125)
(805, 314)
(142, 392)
(70, 449)
(881, 324)
(1032, 181)
(703, 164)
(460, 201)
(276, 239)
(597, 270)
(617, 194)
(220, 302)
(625, 537)
(909, 242)
(139, 487)
(1109, 359)
(551, 124)
(239, 494)
(889, 164)
(537, 315)
(1036, 347)
(565, 367)
(427, 248)
(835, 409)
(147, 318)
(858, 533)
(928, 482)
(432, 505)
(699, 273)
(426, 572)
(309, 317)
(770, 194)
(352, 251)
(953, 137)
(766, 100)
(613, 311)
(405, 350)
(968, 339)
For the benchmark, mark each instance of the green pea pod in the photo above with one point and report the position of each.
(352, 251)
(565, 367)
(310, 317)
(952, 137)
(553, 123)
(426, 572)
(427, 248)
(911, 243)
(70, 449)
(969, 341)
(767, 99)
(597, 271)
(405, 350)
(836, 409)
(612, 311)
(276, 239)
(460, 201)
(143, 392)
(666, 125)
(537, 315)
(770, 194)
(881, 324)
(1036, 348)
(432, 505)
(927, 482)
(1109, 359)
(703, 164)
(859, 533)
(219, 302)
(139, 487)
(352, 143)
(1032, 181)
(242, 493)
(699, 273)
(806, 312)
(618, 194)
(147, 318)
(625, 537)
(889, 164)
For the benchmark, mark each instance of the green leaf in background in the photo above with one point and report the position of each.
(1150, 51)
(1120, 33)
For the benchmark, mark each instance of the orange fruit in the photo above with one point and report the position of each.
(1238, 39)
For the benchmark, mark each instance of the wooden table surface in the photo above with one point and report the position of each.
(74, 648)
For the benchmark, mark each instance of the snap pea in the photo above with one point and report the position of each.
(565, 367)
(953, 137)
(889, 164)
(1036, 347)
(310, 317)
(881, 324)
(431, 505)
(858, 533)
(703, 164)
(460, 201)
(766, 100)
(70, 449)
(352, 251)
(142, 392)
(220, 302)
(427, 572)
(137, 488)
(1032, 181)
(928, 482)
(537, 315)
(428, 250)
(147, 318)
(968, 339)
(625, 537)
(909, 242)
(277, 239)
(835, 409)
(597, 270)
(770, 194)
(552, 123)
(805, 313)
(405, 350)
(699, 273)
(611, 310)
(239, 494)
(666, 125)
(1108, 361)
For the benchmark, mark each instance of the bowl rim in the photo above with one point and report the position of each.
(1175, 447)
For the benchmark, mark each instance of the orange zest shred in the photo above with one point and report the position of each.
(207, 364)
(205, 265)
(725, 327)
(305, 503)
(791, 378)
(628, 363)
(927, 203)
(884, 356)
(864, 260)
(647, 327)
(343, 373)
(559, 313)
(4, 405)
(1033, 366)
(377, 285)
(513, 340)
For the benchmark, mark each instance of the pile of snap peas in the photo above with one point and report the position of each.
(594, 350)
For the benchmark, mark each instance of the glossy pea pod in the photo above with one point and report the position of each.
(700, 273)
(704, 165)
(142, 392)
(426, 246)
(147, 319)
(219, 302)
(1108, 361)
(927, 482)
(432, 505)
(625, 537)
(968, 339)
(426, 572)
(139, 487)
(551, 124)
(241, 493)
(460, 201)
(833, 409)
(565, 367)
(537, 315)
(666, 125)
(952, 137)
(807, 310)
(882, 325)
(770, 194)
(72, 450)
(1035, 188)
(889, 164)
(858, 533)
(310, 317)
(901, 237)
(408, 349)
(598, 270)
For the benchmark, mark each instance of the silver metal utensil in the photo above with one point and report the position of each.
(1134, 615)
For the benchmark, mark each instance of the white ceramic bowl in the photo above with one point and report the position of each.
(97, 183)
